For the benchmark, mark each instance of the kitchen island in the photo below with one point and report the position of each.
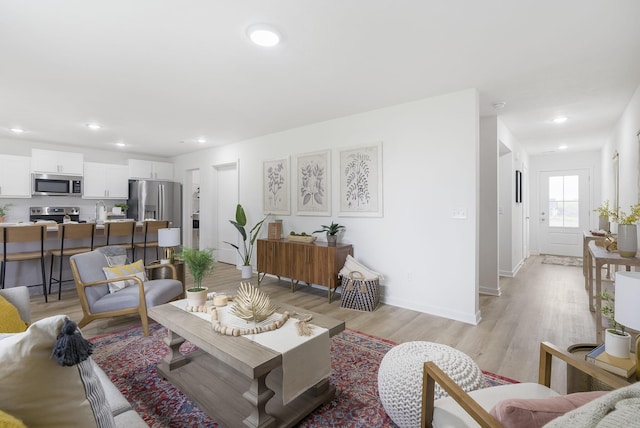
(28, 272)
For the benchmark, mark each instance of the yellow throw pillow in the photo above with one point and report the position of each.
(133, 269)
(10, 321)
(8, 421)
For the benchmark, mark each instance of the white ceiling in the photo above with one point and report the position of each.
(158, 74)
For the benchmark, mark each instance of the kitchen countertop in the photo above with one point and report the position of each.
(53, 227)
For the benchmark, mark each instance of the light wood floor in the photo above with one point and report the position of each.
(543, 303)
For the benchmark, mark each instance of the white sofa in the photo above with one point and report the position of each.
(121, 410)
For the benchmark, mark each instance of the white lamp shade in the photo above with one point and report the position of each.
(627, 299)
(169, 237)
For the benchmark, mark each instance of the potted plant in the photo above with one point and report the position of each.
(617, 341)
(123, 207)
(627, 230)
(4, 209)
(603, 216)
(331, 231)
(200, 263)
(248, 241)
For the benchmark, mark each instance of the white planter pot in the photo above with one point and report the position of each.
(617, 345)
(247, 272)
(197, 298)
(627, 240)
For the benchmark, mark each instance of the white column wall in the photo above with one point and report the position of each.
(488, 203)
(430, 168)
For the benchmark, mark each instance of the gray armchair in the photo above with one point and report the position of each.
(97, 302)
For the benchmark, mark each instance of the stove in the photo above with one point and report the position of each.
(56, 214)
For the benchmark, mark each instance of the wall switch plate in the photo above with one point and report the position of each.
(459, 213)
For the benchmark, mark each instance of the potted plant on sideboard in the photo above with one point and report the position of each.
(248, 241)
(627, 230)
(4, 210)
(617, 341)
(200, 263)
(332, 232)
(603, 216)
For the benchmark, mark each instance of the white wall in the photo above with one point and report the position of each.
(430, 168)
(488, 207)
(624, 140)
(512, 215)
(560, 162)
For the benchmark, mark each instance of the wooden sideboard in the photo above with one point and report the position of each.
(315, 263)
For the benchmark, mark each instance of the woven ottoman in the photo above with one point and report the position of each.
(400, 377)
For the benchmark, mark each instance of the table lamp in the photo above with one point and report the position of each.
(169, 238)
(627, 306)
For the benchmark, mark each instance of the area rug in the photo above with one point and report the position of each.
(129, 359)
(562, 260)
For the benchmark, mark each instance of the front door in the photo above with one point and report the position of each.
(564, 211)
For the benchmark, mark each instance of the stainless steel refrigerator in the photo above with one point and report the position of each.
(159, 200)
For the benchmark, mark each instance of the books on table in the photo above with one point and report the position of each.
(624, 367)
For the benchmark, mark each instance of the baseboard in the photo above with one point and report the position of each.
(490, 291)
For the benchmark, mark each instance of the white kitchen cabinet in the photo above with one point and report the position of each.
(105, 181)
(15, 178)
(55, 162)
(144, 169)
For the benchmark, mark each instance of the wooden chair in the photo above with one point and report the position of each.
(69, 232)
(150, 230)
(462, 409)
(120, 233)
(96, 300)
(14, 236)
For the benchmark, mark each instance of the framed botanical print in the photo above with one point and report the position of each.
(275, 187)
(313, 171)
(361, 181)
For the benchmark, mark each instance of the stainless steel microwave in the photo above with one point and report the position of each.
(56, 185)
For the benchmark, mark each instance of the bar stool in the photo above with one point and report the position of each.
(150, 228)
(13, 236)
(123, 231)
(67, 232)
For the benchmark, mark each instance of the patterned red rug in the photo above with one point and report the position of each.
(129, 359)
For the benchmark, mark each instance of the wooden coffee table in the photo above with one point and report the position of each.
(228, 376)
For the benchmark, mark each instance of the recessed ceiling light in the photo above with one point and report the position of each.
(264, 35)
(17, 130)
(500, 105)
(120, 144)
(94, 126)
(560, 119)
(562, 147)
(201, 140)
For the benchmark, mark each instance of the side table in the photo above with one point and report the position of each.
(166, 273)
(578, 381)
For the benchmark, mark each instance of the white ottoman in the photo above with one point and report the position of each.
(400, 377)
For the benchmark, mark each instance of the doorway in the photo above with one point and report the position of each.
(226, 199)
(564, 211)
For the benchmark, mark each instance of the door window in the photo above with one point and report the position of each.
(564, 201)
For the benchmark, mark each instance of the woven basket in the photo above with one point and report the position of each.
(358, 293)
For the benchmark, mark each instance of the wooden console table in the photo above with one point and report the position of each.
(598, 257)
(314, 263)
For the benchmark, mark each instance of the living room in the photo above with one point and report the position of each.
(450, 240)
